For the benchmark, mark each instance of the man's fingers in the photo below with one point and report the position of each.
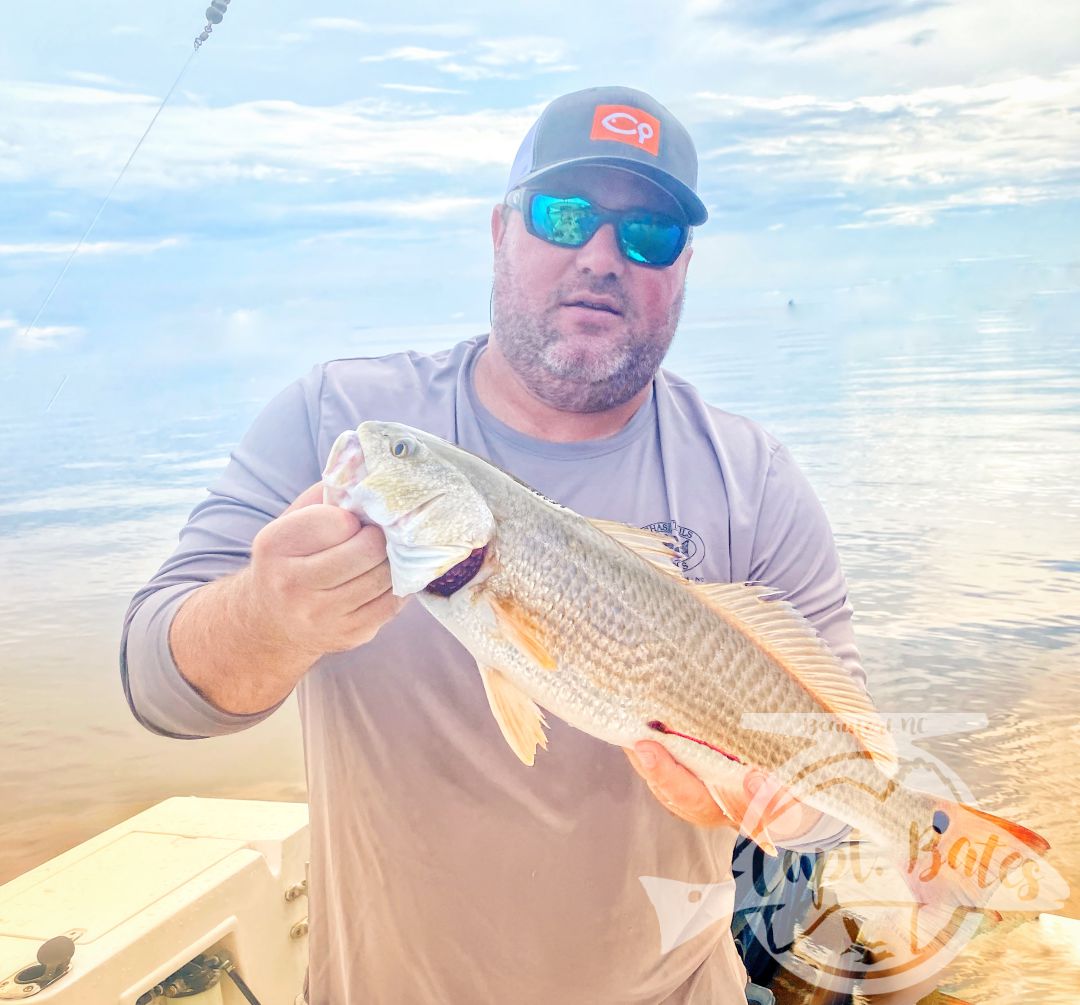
(309, 530)
(678, 788)
(311, 495)
(360, 555)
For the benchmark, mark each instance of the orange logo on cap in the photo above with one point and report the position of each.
(624, 124)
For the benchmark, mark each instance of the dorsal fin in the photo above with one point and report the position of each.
(657, 549)
(780, 631)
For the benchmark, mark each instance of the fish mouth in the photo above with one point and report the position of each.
(345, 469)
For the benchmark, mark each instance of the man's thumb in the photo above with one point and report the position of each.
(309, 497)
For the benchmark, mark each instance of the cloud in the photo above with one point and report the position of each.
(1012, 141)
(511, 58)
(922, 213)
(58, 248)
(40, 336)
(421, 89)
(807, 17)
(282, 142)
(429, 208)
(409, 54)
(81, 77)
(348, 24)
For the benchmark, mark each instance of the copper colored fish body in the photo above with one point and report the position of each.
(592, 622)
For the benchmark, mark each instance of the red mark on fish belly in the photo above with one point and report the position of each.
(661, 728)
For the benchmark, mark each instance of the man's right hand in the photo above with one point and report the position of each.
(317, 583)
(318, 579)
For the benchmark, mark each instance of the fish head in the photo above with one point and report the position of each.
(407, 482)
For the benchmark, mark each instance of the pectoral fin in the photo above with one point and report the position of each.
(520, 629)
(521, 721)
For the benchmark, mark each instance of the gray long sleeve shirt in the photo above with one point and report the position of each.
(442, 869)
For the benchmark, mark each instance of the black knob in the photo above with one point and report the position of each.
(54, 956)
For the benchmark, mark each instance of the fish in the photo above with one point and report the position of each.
(591, 621)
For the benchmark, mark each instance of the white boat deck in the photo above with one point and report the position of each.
(185, 877)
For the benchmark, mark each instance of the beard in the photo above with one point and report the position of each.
(581, 378)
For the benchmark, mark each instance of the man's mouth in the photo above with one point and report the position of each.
(594, 304)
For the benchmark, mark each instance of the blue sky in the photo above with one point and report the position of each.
(322, 179)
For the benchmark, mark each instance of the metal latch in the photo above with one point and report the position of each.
(53, 961)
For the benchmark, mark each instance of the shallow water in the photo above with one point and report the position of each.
(946, 453)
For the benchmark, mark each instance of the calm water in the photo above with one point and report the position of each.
(947, 454)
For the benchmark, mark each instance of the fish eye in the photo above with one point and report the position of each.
(405, 447)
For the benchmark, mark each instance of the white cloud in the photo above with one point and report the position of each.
(349, 24)
(1010, 141)
(421, 89)
(82, 77)
(923, 212)
(55, 248)
(511, 58)
(919, 43)
(40, 336)
(409, 54)
(429, 208)
(279, 141)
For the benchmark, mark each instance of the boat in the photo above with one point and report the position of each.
(205, 900)
(196, 899)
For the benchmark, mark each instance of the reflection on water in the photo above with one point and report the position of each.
(946, 454)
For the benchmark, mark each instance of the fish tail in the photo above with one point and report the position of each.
(963, 857)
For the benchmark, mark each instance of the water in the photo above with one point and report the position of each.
(946, 452)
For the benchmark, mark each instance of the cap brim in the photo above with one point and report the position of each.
(695, 210)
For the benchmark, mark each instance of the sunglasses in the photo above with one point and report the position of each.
(569, 221)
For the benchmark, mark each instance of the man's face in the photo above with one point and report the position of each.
(584, 328)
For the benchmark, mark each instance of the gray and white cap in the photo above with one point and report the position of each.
(616, 127)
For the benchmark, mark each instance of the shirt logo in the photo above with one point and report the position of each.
(688, 549)
(625, 124)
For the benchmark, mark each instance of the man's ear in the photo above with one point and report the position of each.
(498, 225)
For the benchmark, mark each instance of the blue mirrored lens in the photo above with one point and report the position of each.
(652, 240)
(571, 221)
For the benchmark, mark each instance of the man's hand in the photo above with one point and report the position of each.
(685, 795)
(320, 581)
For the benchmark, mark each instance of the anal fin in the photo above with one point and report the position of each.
(753, 826)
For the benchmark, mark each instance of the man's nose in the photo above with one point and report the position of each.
(600, 254)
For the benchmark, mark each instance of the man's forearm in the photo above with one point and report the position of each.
(227, 648)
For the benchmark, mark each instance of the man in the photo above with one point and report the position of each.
(444, 871)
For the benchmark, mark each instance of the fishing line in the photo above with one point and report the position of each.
(214, 14)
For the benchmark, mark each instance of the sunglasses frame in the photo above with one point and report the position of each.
(521, 198)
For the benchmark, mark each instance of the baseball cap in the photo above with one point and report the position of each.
(616, 127)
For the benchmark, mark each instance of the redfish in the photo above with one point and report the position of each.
(591, 621)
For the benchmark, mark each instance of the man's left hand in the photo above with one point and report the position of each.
(685, 795)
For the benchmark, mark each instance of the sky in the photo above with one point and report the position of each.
(322, 178)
